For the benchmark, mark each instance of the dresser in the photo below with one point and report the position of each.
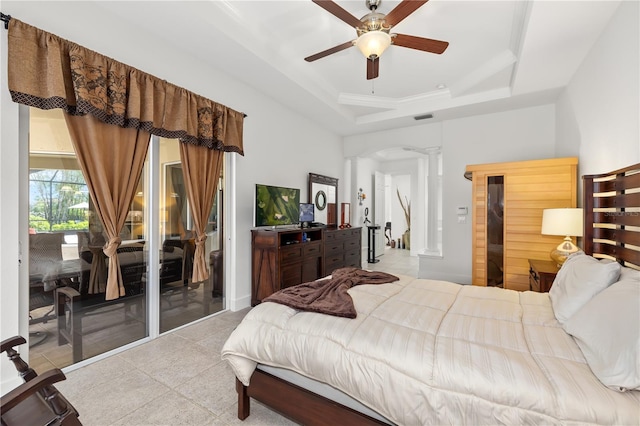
(342, 247)
(282, 258)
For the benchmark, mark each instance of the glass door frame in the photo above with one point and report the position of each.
(152, 235)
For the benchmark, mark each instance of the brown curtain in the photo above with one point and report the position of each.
(47, 72)
(201, 168)
(111, 159)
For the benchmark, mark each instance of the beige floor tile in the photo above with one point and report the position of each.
(213, 344)
(110, 401)
(213, 389)
(82, 381)
(171, 409)
(204, 329)
(260, 416)
(170, 359)
(234, 317)
(176, 379)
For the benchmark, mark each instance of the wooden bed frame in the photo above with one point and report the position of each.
(611, 229)
(612, 215)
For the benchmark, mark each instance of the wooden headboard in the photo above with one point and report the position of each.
(612, 215)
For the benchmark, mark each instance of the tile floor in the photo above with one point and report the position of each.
(106, 328)
(179, 378)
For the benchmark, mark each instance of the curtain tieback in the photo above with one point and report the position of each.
(200, 239)
(111, 248)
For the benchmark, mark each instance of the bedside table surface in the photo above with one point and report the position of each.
(544, 266)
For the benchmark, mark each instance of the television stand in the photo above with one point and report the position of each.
(283, 258)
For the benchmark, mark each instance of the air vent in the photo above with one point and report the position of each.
(423, 117)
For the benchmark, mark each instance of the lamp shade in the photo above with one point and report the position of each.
(373, 43)
(562, 222)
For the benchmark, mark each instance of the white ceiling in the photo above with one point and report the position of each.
(501, 55)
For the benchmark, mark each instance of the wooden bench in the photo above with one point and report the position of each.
(74, 305)
(72, 308)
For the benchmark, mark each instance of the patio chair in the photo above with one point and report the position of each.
(36, 402)
(45, 258)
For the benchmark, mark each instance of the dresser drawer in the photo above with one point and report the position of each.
(332, 248)
(352, 244)
(336, 258)
(290, 275)
(342, 234)
(542, 273)
(289, 254)
(355, 252)
(311, 249)
(353, 260)
(332, 264)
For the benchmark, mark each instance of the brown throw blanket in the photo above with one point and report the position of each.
(329, 296)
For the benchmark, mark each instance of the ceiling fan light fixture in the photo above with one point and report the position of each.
(373, 43)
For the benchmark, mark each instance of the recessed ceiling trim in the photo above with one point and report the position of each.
(390, 103)
(418, 108)
(483, 72)
(521, 18)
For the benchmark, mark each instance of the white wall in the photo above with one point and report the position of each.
(281, 146)
(524, 134)
(598, 114)
(9, 219)
(424, 136)
(281, 149)
(362, 171)
(518, 135)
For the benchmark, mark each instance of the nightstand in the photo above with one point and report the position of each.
(541, 275)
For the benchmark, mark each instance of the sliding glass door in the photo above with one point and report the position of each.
(181, 300)
(69, 318)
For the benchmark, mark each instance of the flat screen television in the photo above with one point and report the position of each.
(307, 213)
(276, 205)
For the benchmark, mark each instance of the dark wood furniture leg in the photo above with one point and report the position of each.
(296, 403)
(243, 400)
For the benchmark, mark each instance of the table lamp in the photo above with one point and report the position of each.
(567, 222)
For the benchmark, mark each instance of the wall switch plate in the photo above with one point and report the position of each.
(462, 210)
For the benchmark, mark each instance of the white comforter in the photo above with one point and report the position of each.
(432, 352)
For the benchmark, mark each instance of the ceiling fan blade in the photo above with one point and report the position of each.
(373, 66)
(401, 11)
(328, 52)
(338, 12)
(425, 44)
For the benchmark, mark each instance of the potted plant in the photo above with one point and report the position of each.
(406, 207)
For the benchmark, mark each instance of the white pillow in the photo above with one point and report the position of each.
(579, 279)
(607, 329)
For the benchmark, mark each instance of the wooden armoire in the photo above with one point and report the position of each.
(508, 200)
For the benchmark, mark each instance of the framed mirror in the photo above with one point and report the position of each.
(323, 194)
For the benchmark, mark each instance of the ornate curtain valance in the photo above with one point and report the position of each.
(47, 72)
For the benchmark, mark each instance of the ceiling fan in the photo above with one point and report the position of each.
(373, 32)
